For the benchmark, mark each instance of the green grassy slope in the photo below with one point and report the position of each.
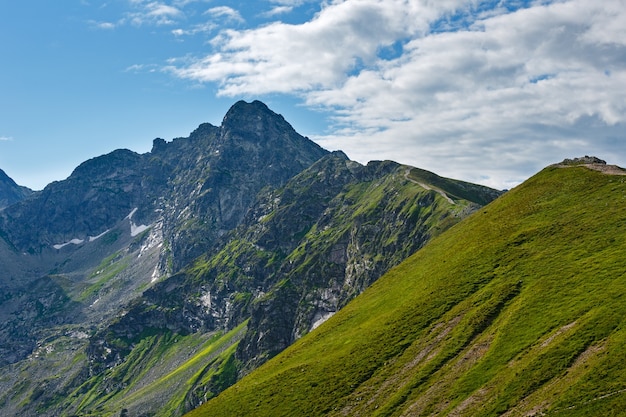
(157, 378)
(518, 310)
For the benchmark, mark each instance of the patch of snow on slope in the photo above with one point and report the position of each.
(130, 216)
(134, 228)
(92, 238)
(137, 229)
(72, 242)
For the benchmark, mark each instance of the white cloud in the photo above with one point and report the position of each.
(5, 138)
(317, 54)
(219, 17)
(224, 12)
(206, 27)
(142, 68)
(152, 12)
(278, 10)
(465, 88)
(183, 3)
(102, 25)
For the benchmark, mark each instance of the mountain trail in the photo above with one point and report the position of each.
(607, 169)
(427, 187)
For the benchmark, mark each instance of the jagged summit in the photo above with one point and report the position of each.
(242, 107)
(254, 118)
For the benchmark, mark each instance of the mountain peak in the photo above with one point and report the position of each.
(244, 106)
(253, 118)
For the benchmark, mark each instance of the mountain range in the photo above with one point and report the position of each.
(146, 284)
(244, 270)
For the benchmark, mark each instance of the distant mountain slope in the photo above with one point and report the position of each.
(300, 254)
(10, 192)
(518, 310)
(145, 284)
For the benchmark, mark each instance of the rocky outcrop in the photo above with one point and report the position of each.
(583, 160)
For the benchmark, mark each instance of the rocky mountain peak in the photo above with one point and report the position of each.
(253, 121)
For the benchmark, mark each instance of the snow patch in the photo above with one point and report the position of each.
(77, 241)
(130, 216)
(74, 241)
(92, 238)
(134, 228)
(137, 229)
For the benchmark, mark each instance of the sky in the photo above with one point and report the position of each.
(483, 91)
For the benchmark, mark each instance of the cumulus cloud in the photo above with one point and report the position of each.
(320, 53)
(455, 86)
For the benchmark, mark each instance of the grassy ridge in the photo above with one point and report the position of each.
(519, 309)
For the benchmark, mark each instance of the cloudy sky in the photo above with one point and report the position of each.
(484, 91)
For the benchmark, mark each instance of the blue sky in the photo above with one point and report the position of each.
(485, 91)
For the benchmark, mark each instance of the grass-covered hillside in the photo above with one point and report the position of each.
(518, 310)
